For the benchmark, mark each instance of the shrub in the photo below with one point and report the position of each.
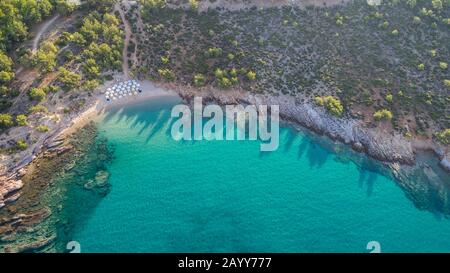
(214, 52)
(333, 105)
(443, 65)
(421, 67)
(444, 136)
(384, 25)
(38, 109)
(394, 32)
(224, 82)
(433, 52)
(6, 120)
(21, 144)
(319, 101)
(193, 4)
(251, 75)
(42, 128)
(389, 97)
(165, 59)
(37, 94)
(219, 73)
(21, 120)
(383, 114)
(199, 80)
(166, 74)
(447, 83)
(233, 72)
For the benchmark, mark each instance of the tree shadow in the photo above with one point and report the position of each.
(367, 178)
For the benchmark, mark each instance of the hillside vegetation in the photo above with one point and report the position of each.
(386, 65)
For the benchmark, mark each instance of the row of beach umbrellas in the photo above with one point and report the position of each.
(123, 89)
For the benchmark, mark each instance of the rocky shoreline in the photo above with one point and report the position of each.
(38, 221)
(389, 148)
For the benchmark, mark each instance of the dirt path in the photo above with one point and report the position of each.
(127, 28)
(42, 30)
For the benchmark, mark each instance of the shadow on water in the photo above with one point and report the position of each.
(316, 154)
(424, 184)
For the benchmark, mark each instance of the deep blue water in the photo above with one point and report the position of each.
(227, 196)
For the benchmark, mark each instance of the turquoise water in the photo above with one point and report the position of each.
(227, 196)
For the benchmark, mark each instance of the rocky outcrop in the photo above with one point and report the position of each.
(9, 190)
(377, 144)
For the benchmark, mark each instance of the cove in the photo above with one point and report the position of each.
(227, 196)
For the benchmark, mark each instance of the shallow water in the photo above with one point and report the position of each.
(227, 196)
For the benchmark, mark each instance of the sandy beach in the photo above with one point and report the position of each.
(150, 91)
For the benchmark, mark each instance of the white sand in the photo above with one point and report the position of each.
(149, 92)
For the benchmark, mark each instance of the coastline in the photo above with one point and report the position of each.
(58, 148)
(393, 150)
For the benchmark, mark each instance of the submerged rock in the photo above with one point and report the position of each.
(445, 163)
(101, 178)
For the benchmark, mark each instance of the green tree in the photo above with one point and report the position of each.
(199, 80)
(65, 7)
(42, 128)
(45, 57)
(444, 136)
(219, 73)
(21, 120)
(21, 144)
(166, 74)
(383, 114)
(389, 98)
(224, 82)
(91, 69)
(333, 105)
(437, 4)
(193, 4)
(251, 75)
(6, 121)
(69, 79)
(37, 94)
(6, 73)
(38, 109)
(91, 85)
(214, 52)
(447, 83)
